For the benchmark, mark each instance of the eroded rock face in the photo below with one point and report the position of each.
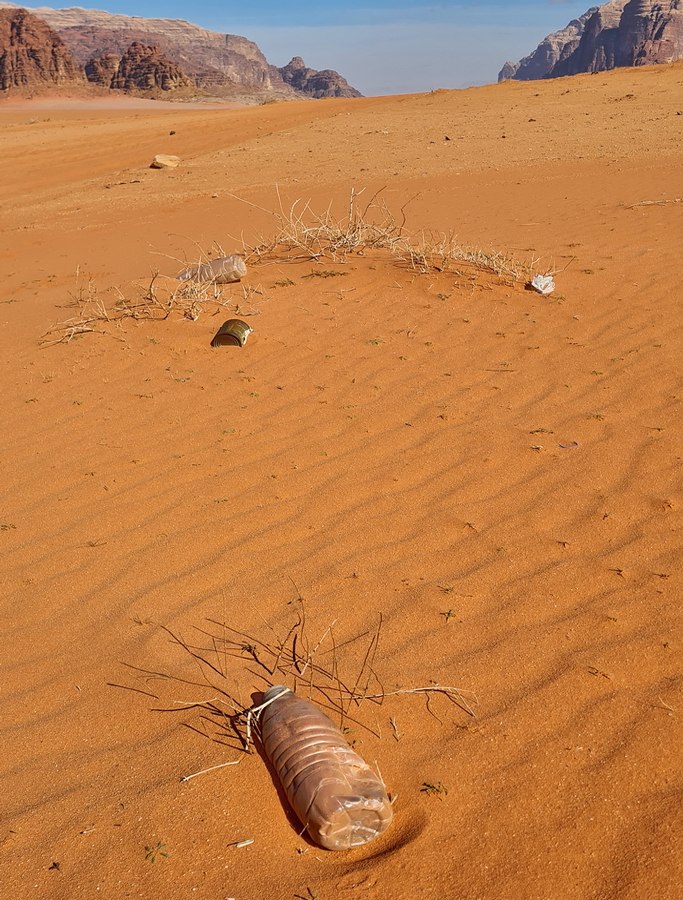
(318, 84)
(598, 49)
(550, 51)
(145, 68)
(32, 55)
(224, 64)
(212, 60)
(102, 69)
(509, 70)
(618, 33)
(653, 33)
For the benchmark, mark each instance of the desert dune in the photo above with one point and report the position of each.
(494, 473)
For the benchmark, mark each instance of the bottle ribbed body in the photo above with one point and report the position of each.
(223, 270)
(335, 794)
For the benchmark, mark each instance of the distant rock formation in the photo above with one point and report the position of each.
(220, 64)
(32, 55)
(618, 33)
(101, 70)
(318, 84)
(141, 68)
(550, 51)
(207, 57)
(599, 47)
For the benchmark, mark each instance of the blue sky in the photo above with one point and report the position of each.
(381, 46)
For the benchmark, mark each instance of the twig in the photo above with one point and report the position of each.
(289, 659)
(655, 202)
(234, 762)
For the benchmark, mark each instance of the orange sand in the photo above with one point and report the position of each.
(372, 444)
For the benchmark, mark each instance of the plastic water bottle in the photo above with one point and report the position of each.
(222, 270)
(336, 795)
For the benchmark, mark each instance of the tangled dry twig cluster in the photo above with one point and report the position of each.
(322, 669)
(301, 234)
(157, 302)
(304, 234)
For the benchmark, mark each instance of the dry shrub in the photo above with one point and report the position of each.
(300, 234)
(303, 234)
(161, 298)
(341, 676)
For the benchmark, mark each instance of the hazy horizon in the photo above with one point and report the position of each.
(381, 47)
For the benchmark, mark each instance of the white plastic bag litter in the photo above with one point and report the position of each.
(544, 284)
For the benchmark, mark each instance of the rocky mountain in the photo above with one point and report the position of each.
(209, 57)
(319, 84)
(32, 55)
(618, 33)
(101, 70)
(219, 64)
(550, 51)
(141, 68)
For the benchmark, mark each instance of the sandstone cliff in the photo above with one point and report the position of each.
(141, 68)
(618, 33)
(550, 51)
(102, 69)
(32, 55)
(216, 63)
(319, 84)
(598, 48)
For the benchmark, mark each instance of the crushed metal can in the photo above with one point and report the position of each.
(233, 332)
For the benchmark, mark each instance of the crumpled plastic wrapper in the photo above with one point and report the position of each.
(544, 284)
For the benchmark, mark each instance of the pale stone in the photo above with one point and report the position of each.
(163, 161)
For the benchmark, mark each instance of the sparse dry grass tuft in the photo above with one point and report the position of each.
(159, 300)
(303, 234)
(340, 676)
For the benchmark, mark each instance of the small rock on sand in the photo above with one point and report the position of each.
(163, 161)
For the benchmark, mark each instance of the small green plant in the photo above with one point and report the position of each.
(158, 849)
(448, 614)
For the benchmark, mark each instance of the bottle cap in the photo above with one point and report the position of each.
(275, 691)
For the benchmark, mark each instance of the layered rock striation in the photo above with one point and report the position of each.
(618, 33)
(213, 62)
(141, 68)
(102, 69)
(553, 48)
(32, 55)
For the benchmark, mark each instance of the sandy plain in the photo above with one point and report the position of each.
(496, 473)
